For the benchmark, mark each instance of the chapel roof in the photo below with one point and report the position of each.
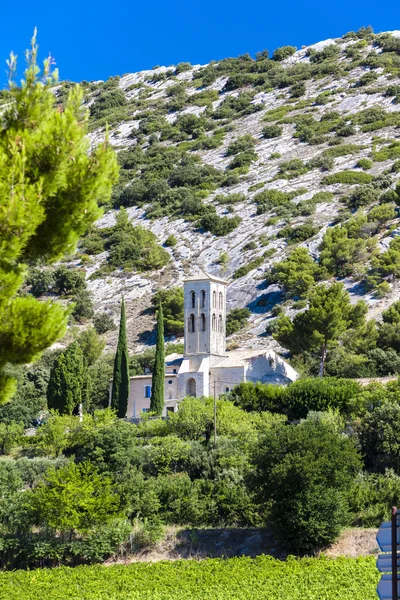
(238, 358)
(202, 276)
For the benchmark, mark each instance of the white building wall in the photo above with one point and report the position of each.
(205, 316)
(223, 379)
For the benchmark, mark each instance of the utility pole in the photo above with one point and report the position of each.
(215, 416)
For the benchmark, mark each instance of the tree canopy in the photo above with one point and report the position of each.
(50, 189)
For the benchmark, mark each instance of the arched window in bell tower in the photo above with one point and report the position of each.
(202, 322)
(214, 323)
(202, 299)
(192, 324)
(193, 299)
(214, 297)
(220, 324)
(221, 301)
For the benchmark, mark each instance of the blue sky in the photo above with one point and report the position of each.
(93, 40)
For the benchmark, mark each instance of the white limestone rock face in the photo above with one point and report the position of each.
(197, 249)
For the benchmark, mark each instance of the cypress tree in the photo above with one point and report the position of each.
(69, 383)
(120, 387)
(157, 388)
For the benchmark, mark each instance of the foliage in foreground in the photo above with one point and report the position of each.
(50, 188)
(236, 578)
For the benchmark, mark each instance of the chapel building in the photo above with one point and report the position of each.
(206, 368)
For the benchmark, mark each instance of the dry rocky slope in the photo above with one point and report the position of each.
(342, 88)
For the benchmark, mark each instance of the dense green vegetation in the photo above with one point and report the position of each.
(50, 188)
(238, 578)
(304, 460)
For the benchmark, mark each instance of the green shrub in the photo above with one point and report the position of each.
(297, 90)
(171, 241)
(241, 144)
(323, 162)
(250, 266)
(379, 437)
(304, 472)
(327, 53)
(319, 395)
(297, 274)
(236, 319)
(342, 150)
(107, 100)
(367, 78)
(292, 168)
(298, 234)
(363, 195)
(103, 322)
(283, 52)
(182, 67)
(272, 131)
(347, 177)
(276, 113)
(219, 226)
(242, 159)
(365, 164)
(391, 151)
(41, 281)
(229, 198)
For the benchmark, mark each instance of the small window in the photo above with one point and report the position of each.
(221, 301)
(145, 410)
(193, 299)
(203, 322)
(147, 391)
(214, 297)
(226, 389)
(170, 382)
(214, 323)
(174, 371)
(192, 324)
(220, 324)
(202, 299)
(170, 409)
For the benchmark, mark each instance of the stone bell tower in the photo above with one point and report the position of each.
(205, 315)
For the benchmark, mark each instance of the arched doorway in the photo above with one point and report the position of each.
(191, 387)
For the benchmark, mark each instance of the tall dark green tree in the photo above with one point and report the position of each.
(157, 388)
(69, 383)
(120, 387)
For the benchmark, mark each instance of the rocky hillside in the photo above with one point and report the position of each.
(234, 164)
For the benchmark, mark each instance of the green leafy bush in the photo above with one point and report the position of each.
(283, 52)
(347, 177)
(236, 319)
(272, 131)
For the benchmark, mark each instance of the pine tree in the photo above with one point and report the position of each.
(120, 386)
(157, 388)
(329, 315)
(50, 189)
(69, 383)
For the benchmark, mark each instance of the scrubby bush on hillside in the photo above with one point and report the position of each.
(297, 274)
(241, 144)
(347, 177)
(272, 131)
(236, 319)
(283, 52)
